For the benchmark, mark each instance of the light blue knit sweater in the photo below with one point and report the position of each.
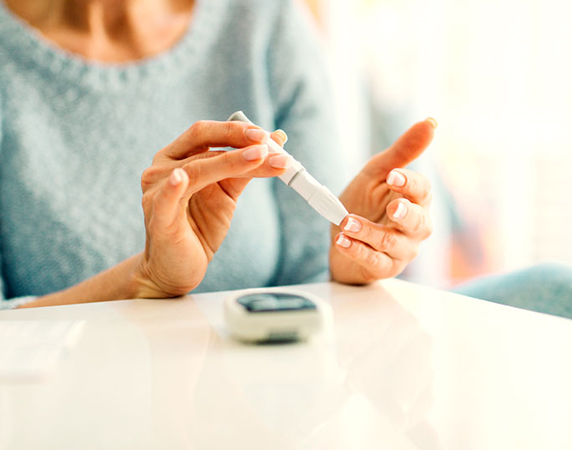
(75, 136)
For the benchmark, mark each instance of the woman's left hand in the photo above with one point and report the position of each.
(390, 213)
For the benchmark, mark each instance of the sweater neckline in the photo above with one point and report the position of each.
(33, 48)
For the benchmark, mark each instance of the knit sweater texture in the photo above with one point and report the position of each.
(76, 135)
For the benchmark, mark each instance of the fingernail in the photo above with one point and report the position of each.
(257, 135)
(279, 161)
(401, 211)
(353, 225)
(432, 121)
(256, 152)
(343, 241)
(396, 179)
(283, 135)
(176, 177)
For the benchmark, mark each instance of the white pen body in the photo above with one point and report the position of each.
(318, 196)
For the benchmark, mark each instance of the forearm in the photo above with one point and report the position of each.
(119, 282)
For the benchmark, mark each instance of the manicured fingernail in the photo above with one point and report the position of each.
(401, 211)
(256, 152)
(343, 241)
(396, 179)
(279, 161)
(353, 225)
(257, 135)
(283, 135)
(432, 121)
(176, 177)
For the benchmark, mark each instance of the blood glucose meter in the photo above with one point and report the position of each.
(273, 315)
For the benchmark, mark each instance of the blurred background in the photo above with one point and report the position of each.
(497, 76)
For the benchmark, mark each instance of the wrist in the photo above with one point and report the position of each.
(127, 280)
(146, 283)
(141, 284)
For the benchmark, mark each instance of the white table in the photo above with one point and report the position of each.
(402, 367)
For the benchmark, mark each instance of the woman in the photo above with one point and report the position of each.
(93, 91)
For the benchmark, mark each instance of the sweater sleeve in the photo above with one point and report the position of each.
(4, 302)
(304, 108)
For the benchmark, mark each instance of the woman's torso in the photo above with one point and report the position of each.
(76, 137)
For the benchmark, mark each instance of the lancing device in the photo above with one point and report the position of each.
(297, 177)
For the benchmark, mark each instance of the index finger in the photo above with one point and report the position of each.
(204, 134)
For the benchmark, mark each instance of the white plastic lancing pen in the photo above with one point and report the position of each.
(297, 177)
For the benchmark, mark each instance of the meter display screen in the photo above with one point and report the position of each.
(275, 302)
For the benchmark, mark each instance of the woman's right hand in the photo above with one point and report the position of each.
(189, 198)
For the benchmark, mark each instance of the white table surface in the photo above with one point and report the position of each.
(402, 367)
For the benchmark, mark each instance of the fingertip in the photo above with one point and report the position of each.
(398, 209)
(280, 136)
(256, 134)
(343, 241)
(344, 221)
(279, 161)
(417, 140)
(396, 179)
(255, 153)
(177, 177)
(352, 224)
(265, 171)
(432, 121)
(408, 147)
(423, 132)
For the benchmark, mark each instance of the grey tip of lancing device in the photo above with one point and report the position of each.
(239, 116)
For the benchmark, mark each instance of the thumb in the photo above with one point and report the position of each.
(406, 149)
(280, 137)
